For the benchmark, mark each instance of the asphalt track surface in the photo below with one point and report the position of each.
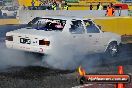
(36, 76)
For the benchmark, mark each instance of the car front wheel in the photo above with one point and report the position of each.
(112, 49)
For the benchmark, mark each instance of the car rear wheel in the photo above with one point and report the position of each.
(112, 50)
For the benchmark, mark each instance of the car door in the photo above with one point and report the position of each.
(94, 36)
(77, 34)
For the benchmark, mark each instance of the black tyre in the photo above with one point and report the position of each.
(4, 15)
(112, 50)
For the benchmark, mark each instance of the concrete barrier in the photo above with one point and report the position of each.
(27, 15)
(8, 21)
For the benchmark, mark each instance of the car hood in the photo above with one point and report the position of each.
(112, 34)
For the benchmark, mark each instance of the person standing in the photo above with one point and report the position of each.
(60, 8)
(91, 6)
(98, 5)
(119, 11)
(110, 10)
(33, 3)
(54, 6)
(24, 7)
(65, 6)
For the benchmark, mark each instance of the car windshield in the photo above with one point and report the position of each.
(47, 24)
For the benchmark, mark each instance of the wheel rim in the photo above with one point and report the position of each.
(113, 50)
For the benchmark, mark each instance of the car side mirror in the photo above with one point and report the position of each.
(99, 27)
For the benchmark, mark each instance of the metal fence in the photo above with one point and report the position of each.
(27, 15)
(130, 13)
(127, 1)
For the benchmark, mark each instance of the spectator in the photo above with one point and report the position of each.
(41, 3)
(24, 7)
(54, 5)
(91, 6)
(65, 6)
(98, 5)
(111, 4)
(59, 5)
(33, 3)
(110, 10)
(119, 11)
(46, 3)
(50, 3)
(49, 7)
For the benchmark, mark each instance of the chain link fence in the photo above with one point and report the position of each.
(129, 12)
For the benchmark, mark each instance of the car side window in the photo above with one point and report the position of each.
(76, 27)
(49, 24)
(90, 27)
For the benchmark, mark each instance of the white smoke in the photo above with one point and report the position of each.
(68, 51)
(10, 57)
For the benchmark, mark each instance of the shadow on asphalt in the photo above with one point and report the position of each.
(32, 72)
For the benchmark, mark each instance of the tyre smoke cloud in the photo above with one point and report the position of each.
(69, 52)
(10, 57)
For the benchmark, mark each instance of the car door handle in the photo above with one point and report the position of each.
(90, 35)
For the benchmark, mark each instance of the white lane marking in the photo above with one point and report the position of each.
(81, 86)
(86, 85)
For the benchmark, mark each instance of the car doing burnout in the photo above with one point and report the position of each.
(43, 34)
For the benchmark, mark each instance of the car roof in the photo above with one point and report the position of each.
(65, 17)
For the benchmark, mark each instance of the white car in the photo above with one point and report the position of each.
(48, 33)
(9, 11)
